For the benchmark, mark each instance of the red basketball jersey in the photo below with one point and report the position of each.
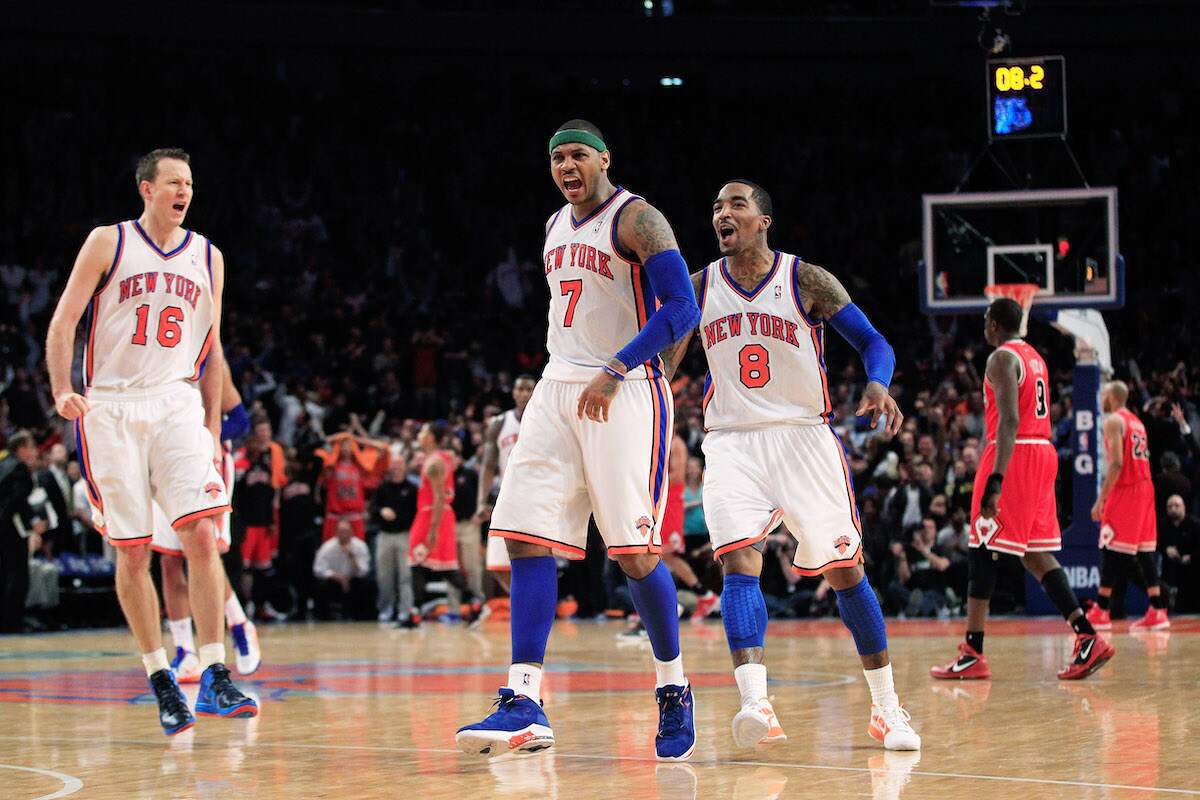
(1033, 395)
(1135, 466)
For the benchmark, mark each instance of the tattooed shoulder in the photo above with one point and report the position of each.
(645, 231)
(821, 290)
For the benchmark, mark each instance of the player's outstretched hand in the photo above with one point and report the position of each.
(597, 396)
(876, 400)
(70, 405)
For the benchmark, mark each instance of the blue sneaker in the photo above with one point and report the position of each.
(676, 737)
(173, 712)
(220, 698)
(518, 725)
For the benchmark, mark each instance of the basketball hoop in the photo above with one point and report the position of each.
(1022, 293)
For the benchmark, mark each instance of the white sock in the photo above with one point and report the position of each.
(181, 633)
(752, 681)
(154, 661)
(234, 615)
(669, 673)
(883, 691)
(212, 654)
(526, 679)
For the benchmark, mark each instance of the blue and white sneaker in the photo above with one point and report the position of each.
(245, 642)
(220, 698)
(676, 737)
(518, 725)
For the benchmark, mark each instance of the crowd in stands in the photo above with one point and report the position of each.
(373, 287)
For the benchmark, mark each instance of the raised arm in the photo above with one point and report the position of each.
(95, 258)
(825, 298)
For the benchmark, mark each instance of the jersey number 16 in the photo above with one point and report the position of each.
(169, 331)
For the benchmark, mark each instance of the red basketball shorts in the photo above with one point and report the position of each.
(1128, 521)
(1027, 518)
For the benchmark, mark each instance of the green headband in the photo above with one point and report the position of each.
(575, 135)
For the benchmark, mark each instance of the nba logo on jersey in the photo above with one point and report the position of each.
(778, 292)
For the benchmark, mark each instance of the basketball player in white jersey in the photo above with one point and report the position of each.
(594, 437)
(498, 443)
(235, 423)
(772, 456)
(149, 419)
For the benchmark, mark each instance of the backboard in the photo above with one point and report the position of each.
(1064, 240)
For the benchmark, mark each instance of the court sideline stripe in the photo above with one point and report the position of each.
(712, 763)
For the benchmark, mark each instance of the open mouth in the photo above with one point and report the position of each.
(726, 232)
(179, 207)
(572, 184)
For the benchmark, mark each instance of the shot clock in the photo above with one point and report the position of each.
(1027, 97)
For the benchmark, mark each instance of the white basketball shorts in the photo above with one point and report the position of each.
(166, 540)
(755, 479)
(497, 555)
(564, 469)
(143, 445)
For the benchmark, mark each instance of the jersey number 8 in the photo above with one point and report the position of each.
(756, 366)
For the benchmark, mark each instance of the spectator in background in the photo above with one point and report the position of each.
(1179, 544)
(694, 526)
(349, 461)
(54, 480)
(299, 536)
(393, 510)
(20, 529)
(341, 567)
(921, 578)
(1170, 482)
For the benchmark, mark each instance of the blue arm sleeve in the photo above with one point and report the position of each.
(236, 423)
(677, 315)
(876, 353)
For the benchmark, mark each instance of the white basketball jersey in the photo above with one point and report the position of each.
(510, 429)
(151, 318)
(599, 300)
(766, 359)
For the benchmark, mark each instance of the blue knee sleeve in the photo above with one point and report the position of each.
(861, 614)
(533, 596)
(744, 612)
(656, 603)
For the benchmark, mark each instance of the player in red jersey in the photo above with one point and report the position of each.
(1125, 511)
(433, 547)
(1021, 464)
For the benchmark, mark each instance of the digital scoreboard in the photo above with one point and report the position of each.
(1027, 97)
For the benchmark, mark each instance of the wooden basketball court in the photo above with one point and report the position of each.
(355, 710)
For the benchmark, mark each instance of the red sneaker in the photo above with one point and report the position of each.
(1100, 618)
(1155, 620)
(969, 666)
(1091, 653)
(707, 605)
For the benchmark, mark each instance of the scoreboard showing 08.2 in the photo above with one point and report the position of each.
(1027, 97)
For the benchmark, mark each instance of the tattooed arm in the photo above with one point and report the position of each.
(643, 232)
(822, 294)
(825, 298)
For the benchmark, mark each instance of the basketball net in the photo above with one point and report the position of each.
(1022, 293)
